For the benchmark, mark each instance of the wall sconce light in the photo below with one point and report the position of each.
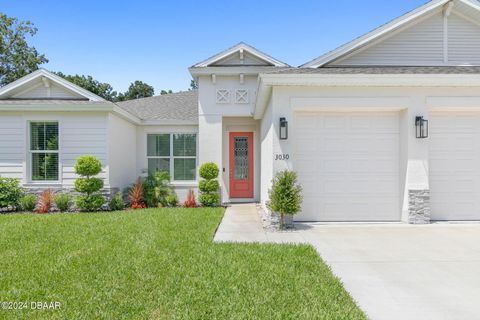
(283, 129)
(421, 128)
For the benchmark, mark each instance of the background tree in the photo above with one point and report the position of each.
(164, 92)
(17, 58)
(101, 89)
(137, 90)
(193, 85)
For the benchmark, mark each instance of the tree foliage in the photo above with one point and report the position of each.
(101, 89)
(137, 90)
(193, 85)
(17, 58)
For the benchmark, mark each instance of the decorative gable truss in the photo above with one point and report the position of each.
(241, 54)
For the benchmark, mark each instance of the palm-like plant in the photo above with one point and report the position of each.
(135, 195)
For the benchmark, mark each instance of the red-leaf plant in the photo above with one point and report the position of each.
(190, 202)
(135, 195)
(45, 201)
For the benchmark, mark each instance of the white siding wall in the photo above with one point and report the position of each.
(12, 142)
(39, 91)
(266, 141)
(463, 41)
(121, 152)
(80, 134)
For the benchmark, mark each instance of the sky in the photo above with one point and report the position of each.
(120, 41)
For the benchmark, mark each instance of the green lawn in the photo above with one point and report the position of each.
(160, 264)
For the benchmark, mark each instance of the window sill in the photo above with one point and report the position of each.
(184, 183)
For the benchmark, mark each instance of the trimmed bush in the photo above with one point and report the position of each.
(28, 202)
(285, 195)
(88, 167)
(10, 192)
(63, 201)
(209, 199)
(209, 186)
(209, 171)
(117, 203)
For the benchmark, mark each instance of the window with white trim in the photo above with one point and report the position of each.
(43, 151)
(175, 153)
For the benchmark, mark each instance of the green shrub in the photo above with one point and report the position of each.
(156, 187)
(171, 200)
(90, 203)
(88, 185)
(209, 199)
(285, 195)
(28, 202)
(10, 192)
(209, 171)
(117, 203)
(209, 186)
(63, 201)
(87, 167)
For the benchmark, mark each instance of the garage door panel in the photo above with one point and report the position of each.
(356, 175)
(455, 166)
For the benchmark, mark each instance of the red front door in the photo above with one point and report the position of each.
(241, 164)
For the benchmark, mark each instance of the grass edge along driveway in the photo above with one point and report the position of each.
(159, 264)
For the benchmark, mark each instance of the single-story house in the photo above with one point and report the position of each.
(383, 128)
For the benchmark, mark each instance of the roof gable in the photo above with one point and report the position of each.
(42, 84)
(241, 54)
(468, 8)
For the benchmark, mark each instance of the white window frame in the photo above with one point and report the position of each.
(30, 152)
(172, 157)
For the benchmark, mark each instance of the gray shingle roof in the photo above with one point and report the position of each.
(174, 106)
(382, 70)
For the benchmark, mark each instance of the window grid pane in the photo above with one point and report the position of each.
(158, 145)
(44, 166)
(185, 145)
(184, 169)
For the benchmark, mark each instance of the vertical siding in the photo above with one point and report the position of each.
(463, 41)
(420, 44)
(12, 150)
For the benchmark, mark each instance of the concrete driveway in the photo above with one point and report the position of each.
(393, 271)
(405, 271)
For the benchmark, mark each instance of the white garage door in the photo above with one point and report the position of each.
(455, 166)
(348, 164)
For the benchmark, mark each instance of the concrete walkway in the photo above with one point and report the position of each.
(393, 271)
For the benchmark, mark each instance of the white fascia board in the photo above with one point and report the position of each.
(169, 123)
(59, 80)
(125, 115)
(267, 81)
(56, 107)
(230, 71)
(375, 34)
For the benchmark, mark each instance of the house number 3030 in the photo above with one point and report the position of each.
(282, 156)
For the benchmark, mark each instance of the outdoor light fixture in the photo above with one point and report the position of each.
(421, 128)
(283, 129)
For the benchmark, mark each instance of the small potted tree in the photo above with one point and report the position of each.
(285, 197)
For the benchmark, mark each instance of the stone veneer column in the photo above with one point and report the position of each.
(419, 206)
